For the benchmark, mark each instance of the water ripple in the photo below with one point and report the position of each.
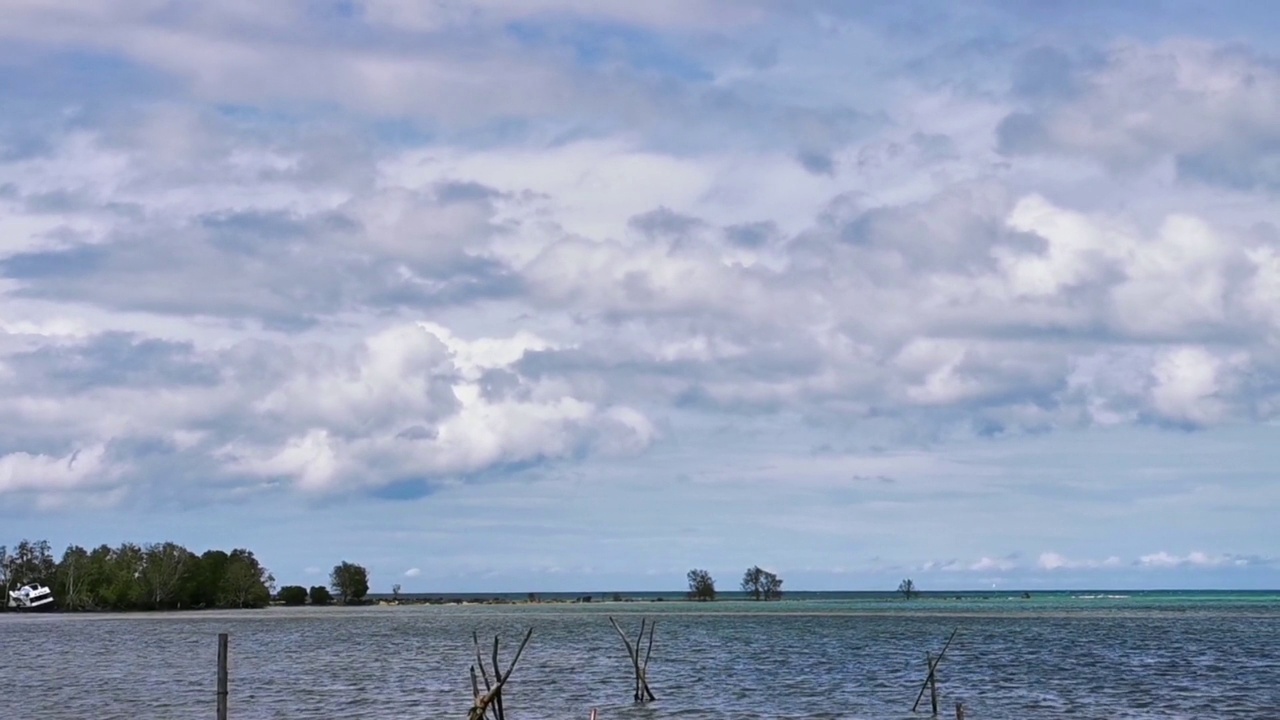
(412, 662)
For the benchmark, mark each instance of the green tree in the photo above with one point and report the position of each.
(73, 586)
(32, 562)
(319, 595)
(204, 579)
(701, 585)
(908, 589)
(245, 583)
(293, 595)
(350, 582)
(164, 568)
(121, 587)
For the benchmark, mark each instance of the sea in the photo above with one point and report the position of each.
(1080, 655)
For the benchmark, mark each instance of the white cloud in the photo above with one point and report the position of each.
(988, 564)
(615, 242)
(1056, 561)
(39, 473)
(1195, 559)
(412, 572)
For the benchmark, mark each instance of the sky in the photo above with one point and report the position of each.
(563, 295)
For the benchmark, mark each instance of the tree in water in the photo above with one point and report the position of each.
(350, 582)
(908, 589)
(701, 585)
(761, 584)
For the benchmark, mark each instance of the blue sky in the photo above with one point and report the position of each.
(569, 295)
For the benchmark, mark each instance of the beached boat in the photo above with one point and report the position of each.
(31, 597)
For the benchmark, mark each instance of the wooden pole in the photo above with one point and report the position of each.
(222, 676)
(932, 665)
(933, 685)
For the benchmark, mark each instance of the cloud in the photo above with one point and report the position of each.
(1203, 107)
(409, 402)
(988, 564)
(412, 572)
(1054, 561)
(257, 258)
(1195, 559)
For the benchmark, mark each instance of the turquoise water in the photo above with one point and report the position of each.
(1055, 655)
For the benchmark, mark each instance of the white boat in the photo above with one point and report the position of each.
(31, 597)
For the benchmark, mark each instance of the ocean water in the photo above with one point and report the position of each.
(1056, 655)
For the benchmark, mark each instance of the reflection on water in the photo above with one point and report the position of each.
(738, 660)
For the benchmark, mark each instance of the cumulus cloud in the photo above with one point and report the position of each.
(409, 402)
(399, 248)
(1056, 561)
(988, 564)
(1196, 559)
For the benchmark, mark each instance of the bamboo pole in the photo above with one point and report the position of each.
(222, 676)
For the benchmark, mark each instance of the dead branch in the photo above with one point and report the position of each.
(642, 692)
(493, 693)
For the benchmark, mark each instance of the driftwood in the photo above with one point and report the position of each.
(641, 667)
(492, 695)
(930, 680)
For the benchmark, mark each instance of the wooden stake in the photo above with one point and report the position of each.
(932, 666)
(222, 676)
(933, 684)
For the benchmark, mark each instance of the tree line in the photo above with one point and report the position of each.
(162, 576)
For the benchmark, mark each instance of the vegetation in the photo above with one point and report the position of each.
(908, 589)
(350, 582)
(156, 576)
(293, 595)
(319, 595)
(701, 585)
(761, 584)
